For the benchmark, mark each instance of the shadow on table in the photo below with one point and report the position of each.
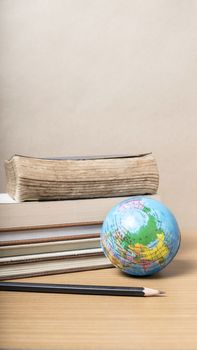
(176, 268)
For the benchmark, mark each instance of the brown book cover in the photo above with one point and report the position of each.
(11, 260)
(53, 267)
(49, 235)
(48, 247)
(53, 214)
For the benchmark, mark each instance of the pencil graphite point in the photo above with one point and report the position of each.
(151, 292)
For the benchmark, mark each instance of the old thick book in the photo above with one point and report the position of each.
(53, 267)
(31, 179)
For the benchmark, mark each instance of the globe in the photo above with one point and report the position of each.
(140, 235)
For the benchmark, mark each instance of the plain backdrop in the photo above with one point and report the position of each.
(103, 77)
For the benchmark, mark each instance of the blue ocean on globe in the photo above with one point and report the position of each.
(140, 235)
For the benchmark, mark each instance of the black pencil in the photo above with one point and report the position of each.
(78, 289)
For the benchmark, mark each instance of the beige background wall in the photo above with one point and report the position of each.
(103, 76)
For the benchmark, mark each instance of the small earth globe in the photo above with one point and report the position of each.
(140, 236)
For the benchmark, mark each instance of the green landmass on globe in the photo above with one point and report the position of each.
(142, 236)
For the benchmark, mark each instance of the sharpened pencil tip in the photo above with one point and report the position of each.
(151, 292)
(162, 292)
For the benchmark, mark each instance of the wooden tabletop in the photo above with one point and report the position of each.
(52, 321)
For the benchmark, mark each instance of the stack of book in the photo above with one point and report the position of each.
(51, 217)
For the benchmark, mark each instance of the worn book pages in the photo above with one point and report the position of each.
(31, 178)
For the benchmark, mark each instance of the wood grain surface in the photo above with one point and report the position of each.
(44, 321)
